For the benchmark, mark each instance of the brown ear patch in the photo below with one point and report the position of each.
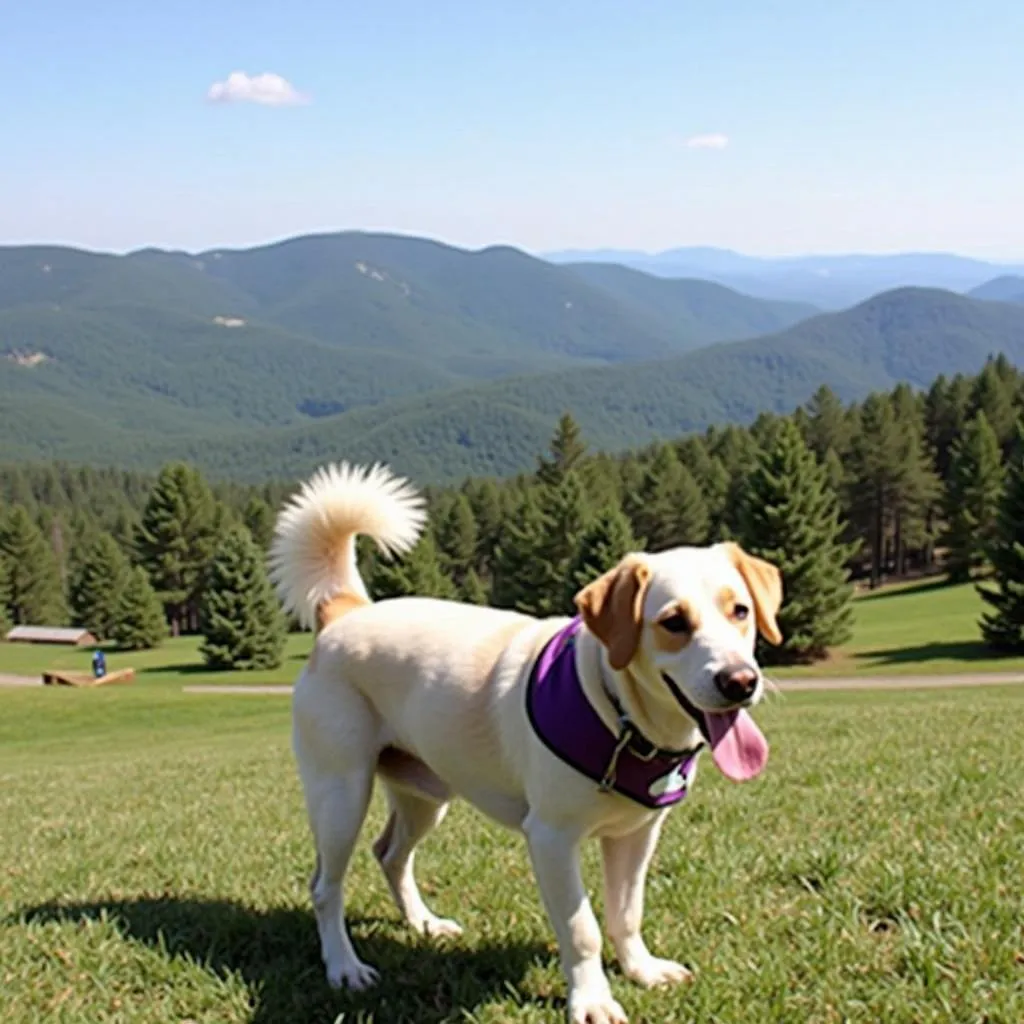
(612, 609)
(764, 581)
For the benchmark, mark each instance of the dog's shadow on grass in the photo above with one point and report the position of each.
(276, 952)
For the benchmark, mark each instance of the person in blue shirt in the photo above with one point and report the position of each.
(99, 664)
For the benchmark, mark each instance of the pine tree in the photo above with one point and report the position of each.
(5, 594)
(711, 477)
(604, 543)
(35, 596)
(521, 574)
(946, 411)
(668, 509)
(473, 590)
(874, 479)
(258, 518)
(790, 516)
(917, 491)
(566, 451)
(242, 624)
(489, 515)
(972, 498)
(176, 538)
(737, 452)
(1002, 626)
(993, 394)
(568, 513)
(139, 617)
(97, 585)
(828, 427)
(417, 573)
(457, 539)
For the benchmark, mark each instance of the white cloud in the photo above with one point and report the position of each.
(716, 140)
(269, 90)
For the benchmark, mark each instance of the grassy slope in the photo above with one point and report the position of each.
(155, 857)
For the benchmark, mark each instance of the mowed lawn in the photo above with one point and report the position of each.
(154, 857)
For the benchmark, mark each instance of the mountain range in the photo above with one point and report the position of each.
(829, 282)
(445, 362)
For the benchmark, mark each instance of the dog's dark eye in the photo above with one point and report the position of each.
(677, 623)
(741, 611)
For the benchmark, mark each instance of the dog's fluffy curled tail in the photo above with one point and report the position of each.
(313, 554)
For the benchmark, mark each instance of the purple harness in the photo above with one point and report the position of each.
(571, 729)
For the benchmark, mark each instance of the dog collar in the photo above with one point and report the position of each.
(567, 723)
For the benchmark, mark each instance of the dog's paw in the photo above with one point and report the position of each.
(440, 928)
(595, 1006)
(354, 976)
(651, 972)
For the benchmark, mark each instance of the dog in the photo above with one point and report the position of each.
(562, 729)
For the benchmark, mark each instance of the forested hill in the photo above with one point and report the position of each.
(266, 361)
(912, 335)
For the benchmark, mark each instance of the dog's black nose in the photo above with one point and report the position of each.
(736, 682)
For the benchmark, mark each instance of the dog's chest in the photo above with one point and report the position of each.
(565, 721)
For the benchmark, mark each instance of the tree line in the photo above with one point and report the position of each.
(901, 483)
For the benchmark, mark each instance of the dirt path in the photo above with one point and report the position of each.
(909, 682)
(6, 679)
(922, 682)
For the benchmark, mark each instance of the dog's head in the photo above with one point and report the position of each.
(683, 623)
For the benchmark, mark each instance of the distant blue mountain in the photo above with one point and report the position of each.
(1007, 288)
(829, 282)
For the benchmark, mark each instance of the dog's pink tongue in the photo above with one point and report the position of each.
(737, 745)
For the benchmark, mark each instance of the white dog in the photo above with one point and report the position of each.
(563, 729)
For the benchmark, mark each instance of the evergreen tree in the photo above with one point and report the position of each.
(457, 539)
(737, 452)
(791, 517)
(711, 477)
(5, 594)
(668, 509)
(485, 500)
(1002, 625)
(946, 411)
(176, 538)
(875, 477)
(97, 585)
(521, 574)
(566, 451)
(242, 624)
(417, 573)
(258, 518)
(138, 622)
(473, 590)
(602, 545)
(568, 513)
(828, 427)
(917, 489)
(972, 498)
(35, 596)
(993, 394)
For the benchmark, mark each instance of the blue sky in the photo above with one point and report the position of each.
(877, 125)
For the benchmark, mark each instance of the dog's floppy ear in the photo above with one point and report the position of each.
(612, 608)
(764, 581)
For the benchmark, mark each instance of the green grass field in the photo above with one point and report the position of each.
(154, 858)
(926, 628)
(922, 628)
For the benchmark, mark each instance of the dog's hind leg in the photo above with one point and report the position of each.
(418, 805)
(337, 808)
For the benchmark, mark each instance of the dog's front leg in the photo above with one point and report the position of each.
(554, 852)
(626, 859)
